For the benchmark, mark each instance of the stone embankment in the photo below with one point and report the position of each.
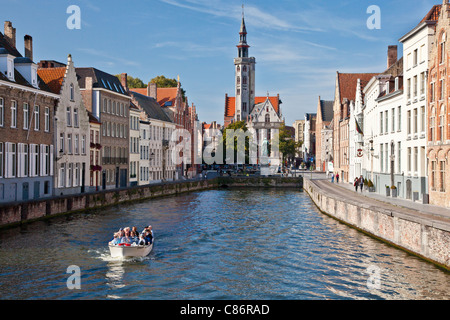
(12, 214)
(422, 234)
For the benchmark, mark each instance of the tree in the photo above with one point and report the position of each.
(163, 82)
(239, 125)
(288, 147)
(133, 82)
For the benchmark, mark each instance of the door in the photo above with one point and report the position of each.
(408, 189)
(123, 178)
(117, 177)
(37, 186)
(83, 175)
(25, 193)
(104, 180)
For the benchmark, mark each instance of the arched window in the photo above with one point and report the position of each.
(244, 69)
(72, 92)
(267, 118)
(244, 80)
(238, 80)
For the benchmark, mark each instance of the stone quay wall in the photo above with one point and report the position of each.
(427, 238)
(16, 213)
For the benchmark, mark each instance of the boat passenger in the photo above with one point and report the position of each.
(133, 236)
(142, 241)
(148, 237)
(116, 239)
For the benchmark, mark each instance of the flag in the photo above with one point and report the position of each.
(358, 128)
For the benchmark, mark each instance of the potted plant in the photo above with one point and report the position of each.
(394, 191)
(388, 191)
(370, 186)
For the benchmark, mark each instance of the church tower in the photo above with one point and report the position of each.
(245, 77)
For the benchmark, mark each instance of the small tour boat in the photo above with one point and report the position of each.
(127, 250)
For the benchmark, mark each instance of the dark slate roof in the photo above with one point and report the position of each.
(100, 79)
(150, 106)
(310, 116)
(19, 79)
(326, 109)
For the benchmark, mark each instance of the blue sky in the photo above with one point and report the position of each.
(298, 45)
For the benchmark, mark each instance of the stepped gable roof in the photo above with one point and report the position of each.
(150, 106)
(433, 14)
(53, 77)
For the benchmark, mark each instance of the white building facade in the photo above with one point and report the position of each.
(416, 46)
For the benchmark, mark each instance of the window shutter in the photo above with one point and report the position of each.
(8, 167)
(42, 160)
(20, 159)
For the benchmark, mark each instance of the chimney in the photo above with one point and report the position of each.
(123, 80)
(152, 90)
(28, 40)
(392, 56)
(88, 85)
(10, 33)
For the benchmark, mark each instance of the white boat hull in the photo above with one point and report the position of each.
(131, 251)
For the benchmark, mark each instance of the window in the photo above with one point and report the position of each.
(77, 144)
(83, 144)
(408, 90)
(422, 83)
(442, 49)
(13, 114)
(415, 57)
(2, 113)
(399, 157)
(415, 86)
(441, 124)
(408, 124)
(77, 175)
(381, 122)
(47, 119)
(62, 175)
(393, 120)
(381, 157)
(386, 117)
(433, 175)
(441, 89)
(1, 159)
(61, 143)
(432, 124)
(244, 107)
(244, 80)
(442, 176)
(105, 105)
(416, 125)
(36, 118)
(75, 118)
(432, 92)
(267, 118)
(72, 92)
(422, 119)
(409, 160)
(26, 116)
(69, 143)
(69, 116)
(238, 80)
(416, 159)
(399, 118)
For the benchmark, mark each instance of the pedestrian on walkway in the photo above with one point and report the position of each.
(332, 178)
(337, 177)
(361, 183)
(356, 184)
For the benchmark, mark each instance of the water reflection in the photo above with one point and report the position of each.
(218, 244)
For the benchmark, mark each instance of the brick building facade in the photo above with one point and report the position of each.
(438, 146)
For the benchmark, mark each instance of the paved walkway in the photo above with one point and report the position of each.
(346, 190)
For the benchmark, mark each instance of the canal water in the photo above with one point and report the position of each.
(212, 245)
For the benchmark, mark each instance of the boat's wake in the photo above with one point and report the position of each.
(105, 256)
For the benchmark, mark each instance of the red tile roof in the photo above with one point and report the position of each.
(230, 104)
(347, 83)
(163, 94)
(53, 77)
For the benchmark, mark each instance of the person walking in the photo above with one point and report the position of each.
(361, 183)
(337, 177)
(332, 178)
(356, 184)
